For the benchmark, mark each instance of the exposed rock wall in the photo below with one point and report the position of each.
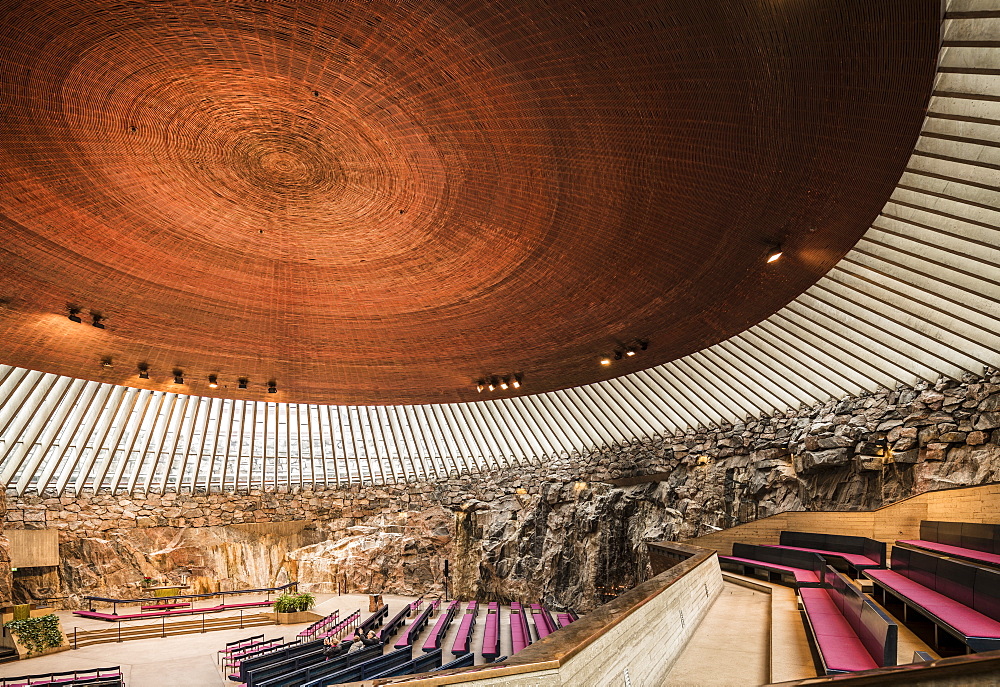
(567, 530)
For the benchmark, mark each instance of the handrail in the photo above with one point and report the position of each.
(192, 596)
(940, 671)
(674, 561)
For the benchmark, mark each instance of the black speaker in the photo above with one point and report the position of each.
(446, 567)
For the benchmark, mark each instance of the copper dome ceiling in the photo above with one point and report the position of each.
(375, 202)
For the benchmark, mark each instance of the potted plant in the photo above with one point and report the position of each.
(294, 608)
(37, 635)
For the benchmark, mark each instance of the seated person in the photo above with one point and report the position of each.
(371, 639)
(333, 647)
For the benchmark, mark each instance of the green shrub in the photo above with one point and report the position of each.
(292, 603)
(37, 634)
(305, 601)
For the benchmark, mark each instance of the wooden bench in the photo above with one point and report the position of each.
(794, 568)
(856, 553)
(441, 627)
(849, 630)
(520, 635)
(960, 599)
(491, 632)
(975, 542)
(463, 640)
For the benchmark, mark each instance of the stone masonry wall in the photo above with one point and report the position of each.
(561, 529)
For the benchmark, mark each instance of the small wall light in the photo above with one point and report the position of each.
(213, 381)
(516, 381)
(178, 376)
(480, 385)
(97, 319)
(242, 382)
(774, 255)
(503, 383)
(106, 363)
(605, 361)
(272, 387)
(74, 314)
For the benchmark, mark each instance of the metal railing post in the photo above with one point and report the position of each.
(119, 632)
(75, 643)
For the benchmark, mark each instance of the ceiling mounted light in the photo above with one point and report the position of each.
(178, 376)
(74, 314)
(213, 381)
(272, 387)
(143, 371)
(97, 318)
(605, 361)
(242, 382)
(106, 363)
(480, 385)
(630, 352)
(775, 254)
(618, 355)
(492, 386)
(516, 382)
(503, 383)
(644, 344)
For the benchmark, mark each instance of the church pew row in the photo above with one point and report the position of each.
(266, 656)
(440, 629)
(96, 677)
(238, 645)
(340, 628)
(563, 619)
(364, 670)
(416, 627)
(544, 626)
(849, 630)
(424, 663)
(375, 619)
(491, 633)
(520, 635)
(259, 658)
(962, 600)
(857, 553)
(319, 668)
(971, 541)
(268, 670)
(795, 568)
(233, 659)
(463, 661)
(390, 628)
(320, 625)
(463, 639)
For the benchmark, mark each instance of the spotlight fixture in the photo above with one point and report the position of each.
(480, 385)
(618, 355)
(97, 319)
(605, 361)
(213, 381)
(775, 254)
(74, 314)
(107, 363)
(516, 381)
(143, 371)
(630, 352)
(503, 383)
(272, 387)
(242, 382)
(492, 386)
(178, 376)
(643, 344)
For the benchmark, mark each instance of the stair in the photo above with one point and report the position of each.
(124, 633)
(7, 654)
